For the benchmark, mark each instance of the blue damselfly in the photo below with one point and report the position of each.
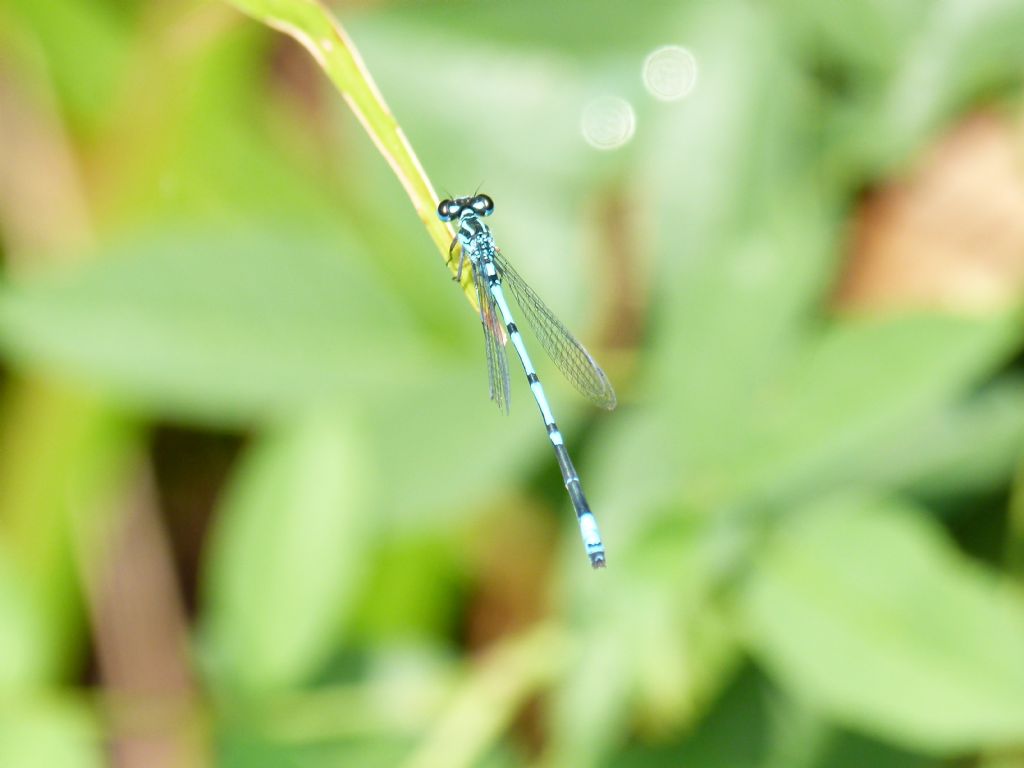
(490, 273)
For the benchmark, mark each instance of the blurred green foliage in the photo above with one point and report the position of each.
(811, 516)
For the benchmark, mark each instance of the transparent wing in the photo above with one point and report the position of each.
(569, 355)
(494, 343)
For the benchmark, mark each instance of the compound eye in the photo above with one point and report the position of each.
(483, 205)
(444, 210)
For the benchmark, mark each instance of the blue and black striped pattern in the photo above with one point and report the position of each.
(491, 272)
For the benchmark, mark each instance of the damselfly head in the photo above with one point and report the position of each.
(481, 205)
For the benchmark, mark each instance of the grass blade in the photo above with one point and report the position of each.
(313, 26)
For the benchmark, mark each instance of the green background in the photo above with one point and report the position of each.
(256, 509)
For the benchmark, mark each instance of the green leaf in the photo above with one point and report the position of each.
(827, 418)
(220, 327)
(40, 736)
(961, 48)
(287, 555)
(971, 447)
(859, 385)
(24, 645)
(736, 733)
(864, 609)
(755, 725)
(849, 750)
(863, 38)
(1015, 526)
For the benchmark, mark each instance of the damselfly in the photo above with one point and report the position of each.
(490, 273)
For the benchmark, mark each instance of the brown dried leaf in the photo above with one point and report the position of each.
(951, 234)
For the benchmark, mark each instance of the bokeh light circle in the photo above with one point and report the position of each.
(608, 122)
(670, 72)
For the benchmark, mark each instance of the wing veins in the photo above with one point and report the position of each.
(571, 357)
(497, 360)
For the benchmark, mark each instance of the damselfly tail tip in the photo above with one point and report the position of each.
(597, 560)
